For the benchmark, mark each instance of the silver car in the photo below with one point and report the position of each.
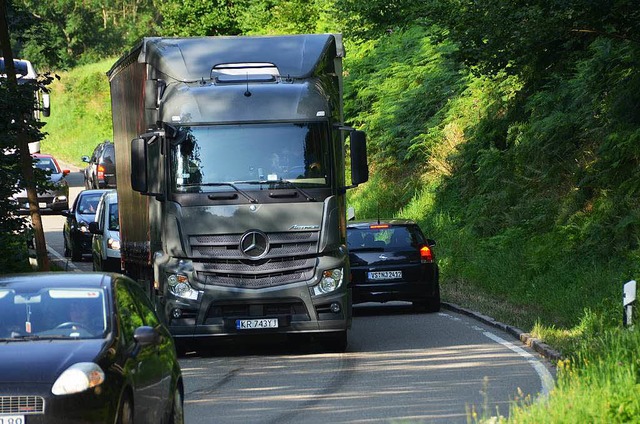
(53, 200)
(105, 246)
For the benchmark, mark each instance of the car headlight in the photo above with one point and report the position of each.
(330, 281)
(83, 227)
(113, 244)
(179, 286)
(78, 378)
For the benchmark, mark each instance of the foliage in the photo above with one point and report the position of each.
(80, 112)
(198, 18)
(17, 120)
(61, 34)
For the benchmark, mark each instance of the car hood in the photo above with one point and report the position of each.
(54, 178)
(42, 361)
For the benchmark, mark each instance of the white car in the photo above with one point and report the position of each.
(105, 246)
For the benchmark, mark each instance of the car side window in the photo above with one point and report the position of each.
(108, 154)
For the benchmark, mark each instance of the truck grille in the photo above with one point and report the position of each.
(23, 405)
(219, 261)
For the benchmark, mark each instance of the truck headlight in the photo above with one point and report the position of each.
(330, 281)
(179, 286)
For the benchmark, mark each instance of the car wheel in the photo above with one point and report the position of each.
(177, 410)
(430, 305)
(335, 342)
(67, 252)
(125, 412)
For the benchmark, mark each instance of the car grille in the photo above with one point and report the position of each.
(219, 261)
(23, 405)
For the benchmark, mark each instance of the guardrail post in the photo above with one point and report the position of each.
(628, 299)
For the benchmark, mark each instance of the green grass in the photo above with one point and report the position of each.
(80, 113)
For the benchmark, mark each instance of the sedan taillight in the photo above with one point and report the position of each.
(101, 172)
(426, 256)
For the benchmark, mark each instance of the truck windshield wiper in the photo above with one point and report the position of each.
(232, 185)
(295, 187)
(280, 181)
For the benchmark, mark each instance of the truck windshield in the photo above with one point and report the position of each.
(203, 157)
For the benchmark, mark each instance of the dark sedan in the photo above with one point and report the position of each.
(392, 260)
(84, 348)
(77, 237)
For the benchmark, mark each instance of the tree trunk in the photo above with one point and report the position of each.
(23, 146)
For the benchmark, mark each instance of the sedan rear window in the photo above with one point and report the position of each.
(383, 236)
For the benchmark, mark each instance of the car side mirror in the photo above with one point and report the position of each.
(431, 242)
(85, 159)
(94, 228)
(146, 335)
(65, 172)
(65, 212)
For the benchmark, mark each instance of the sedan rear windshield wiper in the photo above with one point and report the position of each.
(232, 185)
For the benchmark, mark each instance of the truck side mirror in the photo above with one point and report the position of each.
(359, 166)
(139, 165)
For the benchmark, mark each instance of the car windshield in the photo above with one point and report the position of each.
(47, 164)
(217, 158)
(89, 203)
(381, 236)
(52, 313)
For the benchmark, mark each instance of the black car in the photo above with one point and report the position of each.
(392, 260)
(84, 347)
(77, 237)
(101, 171)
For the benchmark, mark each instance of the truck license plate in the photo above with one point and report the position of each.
(384, 275)
(252, 324)
(12, 419)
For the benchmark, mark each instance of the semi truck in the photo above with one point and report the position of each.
(230, 156)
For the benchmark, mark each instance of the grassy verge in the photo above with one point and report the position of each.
(80, 113)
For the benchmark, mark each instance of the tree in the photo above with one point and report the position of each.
(20, 129)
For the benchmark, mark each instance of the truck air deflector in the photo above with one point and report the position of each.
(294, 56)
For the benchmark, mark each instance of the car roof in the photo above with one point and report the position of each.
(42, 155)
(365, 224)
(94, 191)
(36, 280)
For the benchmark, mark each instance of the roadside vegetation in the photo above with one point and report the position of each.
(517, 150)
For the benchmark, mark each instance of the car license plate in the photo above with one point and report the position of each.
(252, 324)
(42, 205)
(12, 419)
(384, 275)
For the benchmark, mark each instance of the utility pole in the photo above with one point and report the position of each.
(26, 162)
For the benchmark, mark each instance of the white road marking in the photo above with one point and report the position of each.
(62, 258)
(545, 376)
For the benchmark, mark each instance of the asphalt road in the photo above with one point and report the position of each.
(400, 366)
